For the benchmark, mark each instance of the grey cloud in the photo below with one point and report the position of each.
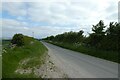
(60, 16)
(112, 7)
(119, 11)
(113, 16)
(15, 8)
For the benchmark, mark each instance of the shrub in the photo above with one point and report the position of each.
(18, 39)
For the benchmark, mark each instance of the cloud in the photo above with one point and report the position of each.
(50, 18)
(10, 27)
(113, 16)
(119, 11)
(15, 8)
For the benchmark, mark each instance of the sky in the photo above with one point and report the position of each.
(46, 18)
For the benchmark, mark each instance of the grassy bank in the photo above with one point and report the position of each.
(108, 55)
(32, 50)
(0, 59)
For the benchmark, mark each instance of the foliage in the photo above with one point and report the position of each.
(68, 37)
(101, 38)
(105, 38)
(18, 40)
(112, 37)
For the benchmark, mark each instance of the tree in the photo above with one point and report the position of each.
(80, 36)
(97, 35)
(18, 39)
(108, 39)
(113, 36)
(99, 28)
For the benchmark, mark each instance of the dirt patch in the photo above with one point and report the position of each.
(40, 67)
(49, 70)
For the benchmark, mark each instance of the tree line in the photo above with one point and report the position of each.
(102, 37)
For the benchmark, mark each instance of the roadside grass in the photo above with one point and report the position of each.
(33, 61)
(12, 57)
(0, 67)
(0, 59)
(107, 55)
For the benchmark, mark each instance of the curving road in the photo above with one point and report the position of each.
(77, 65)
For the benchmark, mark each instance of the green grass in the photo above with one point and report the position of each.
(5, 42)
(0, 59)
(12, 57)
(107, 55)
(0, 67)
(34, 61)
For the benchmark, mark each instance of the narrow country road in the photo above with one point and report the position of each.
(77, 65)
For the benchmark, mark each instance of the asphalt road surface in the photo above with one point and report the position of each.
(77, 65)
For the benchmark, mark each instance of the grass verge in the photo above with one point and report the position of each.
(11, 57)
(0, 67)
(107, 55)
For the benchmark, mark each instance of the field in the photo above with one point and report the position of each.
(12, 57)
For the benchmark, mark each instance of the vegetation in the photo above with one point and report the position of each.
(18, 40)
(0, 63)
(102, 43)
(13, 55)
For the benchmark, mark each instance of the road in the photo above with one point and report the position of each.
(77, 65)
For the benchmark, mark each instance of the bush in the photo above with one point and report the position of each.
(18, 39)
